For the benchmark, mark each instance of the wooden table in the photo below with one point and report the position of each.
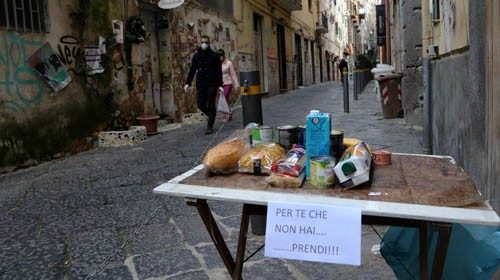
(425, 192)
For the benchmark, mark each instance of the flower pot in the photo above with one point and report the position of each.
(150, 122)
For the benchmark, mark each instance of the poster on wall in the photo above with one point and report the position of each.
(118, 31)
(50, 68)
(93, 59)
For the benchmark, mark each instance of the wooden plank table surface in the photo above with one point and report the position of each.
(420, 187)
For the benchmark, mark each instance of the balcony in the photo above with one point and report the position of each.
(289, 5)
(322, 25)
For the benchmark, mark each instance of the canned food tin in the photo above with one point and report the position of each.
(263, 133)
(286, 136)
(266, 133)
(336, 143)
(301, 135)
(322, 174)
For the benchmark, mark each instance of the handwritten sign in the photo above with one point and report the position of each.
(318, 233)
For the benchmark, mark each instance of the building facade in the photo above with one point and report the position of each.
(448, 52)
(117, 60)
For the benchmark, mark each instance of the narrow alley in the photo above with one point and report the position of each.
(94, 213)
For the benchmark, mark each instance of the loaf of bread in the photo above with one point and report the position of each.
(224, 157)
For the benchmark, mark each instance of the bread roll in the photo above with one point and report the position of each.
(224, 157)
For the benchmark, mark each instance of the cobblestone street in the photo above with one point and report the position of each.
(93, 215)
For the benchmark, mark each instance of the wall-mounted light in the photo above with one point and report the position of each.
(170, 4)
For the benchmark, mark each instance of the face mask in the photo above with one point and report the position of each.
(204, 46)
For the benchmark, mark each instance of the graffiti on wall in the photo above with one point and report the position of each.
(273, 76)
(455, 18)
(20, 86)
(246, 62)
(68, 49)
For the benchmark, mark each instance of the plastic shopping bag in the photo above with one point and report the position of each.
(222, 105)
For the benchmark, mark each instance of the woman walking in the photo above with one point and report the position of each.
(229, 79)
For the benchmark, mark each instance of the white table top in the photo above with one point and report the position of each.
(374, 208)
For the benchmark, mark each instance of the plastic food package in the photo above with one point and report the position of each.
(260, 158)
(223, 158)
(285, 181)
(292, 163)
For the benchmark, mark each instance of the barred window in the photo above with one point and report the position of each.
(23, 15)
(224, 7)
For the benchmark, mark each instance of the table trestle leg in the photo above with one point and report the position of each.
(444, 234)
(212, 228)
(242, 242)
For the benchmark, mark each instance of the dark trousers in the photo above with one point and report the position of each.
(206, 102)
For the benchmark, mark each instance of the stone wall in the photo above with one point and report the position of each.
(411, 54)
(458, 97)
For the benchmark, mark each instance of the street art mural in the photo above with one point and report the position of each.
(455, 24)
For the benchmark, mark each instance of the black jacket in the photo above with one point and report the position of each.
(208, 69)
(343, 64)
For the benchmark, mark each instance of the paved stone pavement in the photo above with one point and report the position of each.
(93, 215)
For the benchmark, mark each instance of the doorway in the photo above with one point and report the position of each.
(313, 63)
(328, 68)
(259, 56)
(320, 64)
(280, 32)
(151, 62)
(298, 60)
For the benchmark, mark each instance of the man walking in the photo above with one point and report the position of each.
(343, 66)
(207, 67)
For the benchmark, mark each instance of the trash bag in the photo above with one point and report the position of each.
(473, 252)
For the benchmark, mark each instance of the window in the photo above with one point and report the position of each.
(225, 7)
(435, 10)
(23, 15)
(309, 3)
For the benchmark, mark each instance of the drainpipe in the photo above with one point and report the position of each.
(427, 140)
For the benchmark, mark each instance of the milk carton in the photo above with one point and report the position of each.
(354, 167)
(318, 126)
